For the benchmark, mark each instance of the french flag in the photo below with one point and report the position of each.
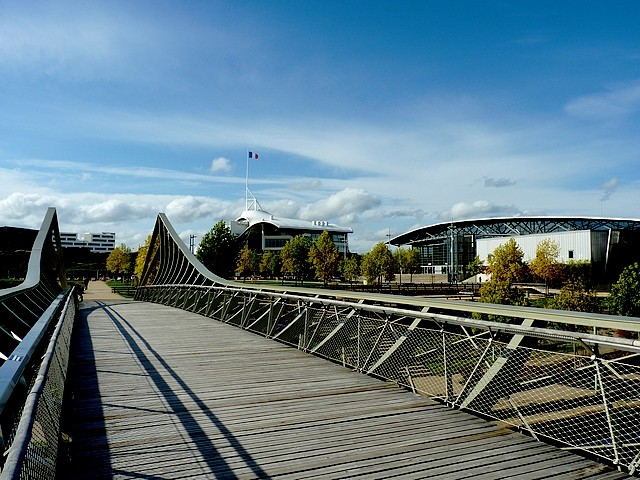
(253, 155)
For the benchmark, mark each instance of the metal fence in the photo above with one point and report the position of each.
(561, 384)
(577, 389)
(32, 448)
(36, 318)
(21, 306)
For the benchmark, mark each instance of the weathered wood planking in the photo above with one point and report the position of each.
(161, 393)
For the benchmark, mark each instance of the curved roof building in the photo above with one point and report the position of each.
(608, 243)
(265, 231)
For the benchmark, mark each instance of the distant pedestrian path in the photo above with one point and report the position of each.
(99, 290)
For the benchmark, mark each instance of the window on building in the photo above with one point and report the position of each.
(570, 254)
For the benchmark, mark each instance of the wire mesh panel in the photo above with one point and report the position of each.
(34, 449)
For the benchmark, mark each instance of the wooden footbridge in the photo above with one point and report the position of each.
(164, 393)
(167, 385)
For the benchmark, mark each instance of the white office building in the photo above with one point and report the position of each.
(103, 242)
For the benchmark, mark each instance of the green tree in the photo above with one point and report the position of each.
(378, 264)
(295, 257)
(247, 264)
(576, 293)
(578, 271)
(324, 257)
(412, 262)
(474, 267)
(507, 267)
(625, 293)
(218, 250)
(141, 257)
(575, 297)
(119, 260)
(269, 264)
(545, 265)
(349, 268)
(400, 258)
(403, 259)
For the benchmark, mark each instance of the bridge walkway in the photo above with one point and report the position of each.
(161, 393)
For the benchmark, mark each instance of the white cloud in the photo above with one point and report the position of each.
(479, 208)
(616, 102)
(189, 209)
(307, 185)
(47, 41)
(124, 171)
(285, 208)
(220, 165)
(498, 182)
(345, 206)
(608, 188)
(112, 211)
(24, 209)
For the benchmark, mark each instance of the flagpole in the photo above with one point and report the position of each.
(246, 185)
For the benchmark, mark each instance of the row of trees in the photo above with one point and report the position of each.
(122, 261)
(119, 260)
(576, 293)
(300, 258)
(304, 259)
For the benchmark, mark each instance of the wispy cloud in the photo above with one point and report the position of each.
(303, 186)
(220, 165)
(498, 182)
(346, 205)
(189, 209)
(608, 188)
(150, 173)
(480, 208)
(46, 40)
(616, 102)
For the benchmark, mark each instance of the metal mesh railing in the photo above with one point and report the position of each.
(34, 348)
(576, 389)
(32, 450)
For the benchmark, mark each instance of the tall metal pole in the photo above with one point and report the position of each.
(246, 185)
(453, 252)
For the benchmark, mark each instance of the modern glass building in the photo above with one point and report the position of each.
(609, 244)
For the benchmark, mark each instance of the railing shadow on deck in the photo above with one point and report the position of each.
(146, 356)
(83, 363)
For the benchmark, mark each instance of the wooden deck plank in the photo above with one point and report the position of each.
(162, 393)
(386, 459)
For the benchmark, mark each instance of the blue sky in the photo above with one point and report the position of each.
(379, 115)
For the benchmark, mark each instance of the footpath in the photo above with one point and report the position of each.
(99, 290)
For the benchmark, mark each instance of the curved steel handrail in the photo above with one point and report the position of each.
(21, 306)
(29, 313)
(60, 314)
(36, 273)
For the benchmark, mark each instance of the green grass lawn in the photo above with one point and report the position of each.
(116, 283)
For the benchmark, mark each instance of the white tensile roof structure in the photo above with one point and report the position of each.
(250, 218)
